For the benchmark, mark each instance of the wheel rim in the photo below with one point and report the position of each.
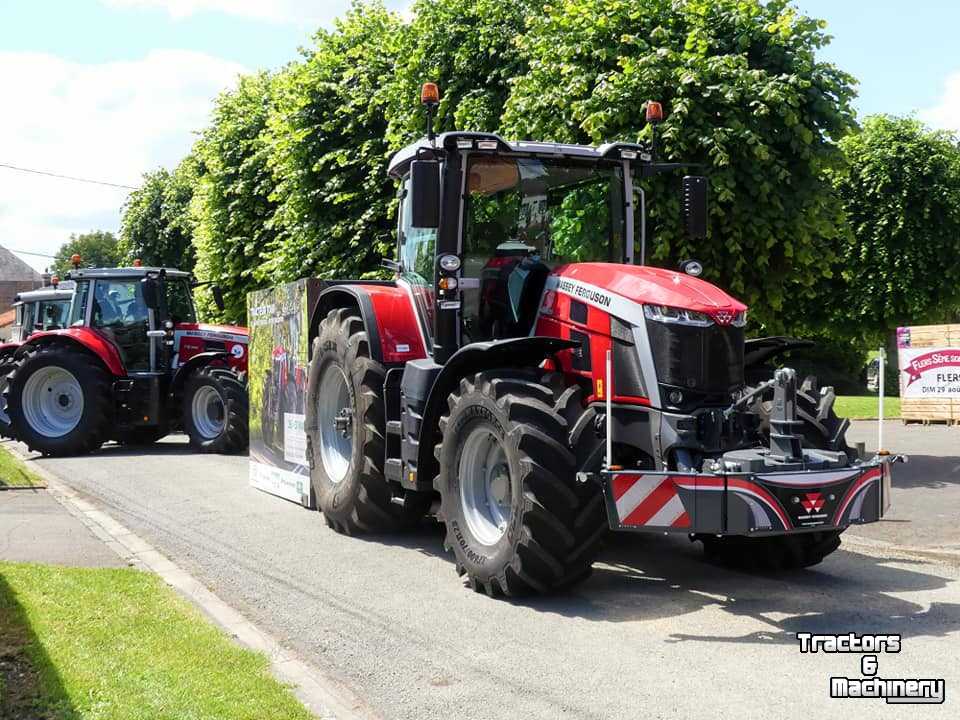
(336, 423)
(52, 401)
(485, 486)
(209, 412)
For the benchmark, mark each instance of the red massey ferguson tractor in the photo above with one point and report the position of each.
(535, 403)
(132, 364)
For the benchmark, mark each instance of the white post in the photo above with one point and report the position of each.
(609, 394)
(882, 367)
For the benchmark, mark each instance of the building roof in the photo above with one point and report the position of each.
(13, 269)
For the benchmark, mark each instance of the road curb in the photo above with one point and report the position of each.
(324, 696)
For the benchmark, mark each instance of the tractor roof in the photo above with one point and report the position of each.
(125, 272)
(47, 293)
(484, 142)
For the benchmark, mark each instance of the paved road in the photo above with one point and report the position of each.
(656, 632)
(926, 491)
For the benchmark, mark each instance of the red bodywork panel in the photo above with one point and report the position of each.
(653, 286)
(192, 339)
(91, 339)
(618, 290)
(397, 324)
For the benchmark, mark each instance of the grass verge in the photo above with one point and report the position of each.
(13, 473)
(115, 644)
(864, 407)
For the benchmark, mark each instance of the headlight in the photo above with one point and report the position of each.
(664, 314)
(740, 319)
(450, 263)
(168, 324)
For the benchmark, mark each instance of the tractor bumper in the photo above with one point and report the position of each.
(776, 503)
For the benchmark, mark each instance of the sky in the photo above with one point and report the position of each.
(110, 89)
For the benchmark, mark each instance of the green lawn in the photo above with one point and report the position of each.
(117, 644)
(13, 473)
(865, 407)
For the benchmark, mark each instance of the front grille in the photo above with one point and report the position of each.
(704, 359)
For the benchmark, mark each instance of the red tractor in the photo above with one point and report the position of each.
(282, 393)
(530, 381)
(131, 364)
(36, 311)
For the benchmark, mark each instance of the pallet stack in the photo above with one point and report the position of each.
(933, 410)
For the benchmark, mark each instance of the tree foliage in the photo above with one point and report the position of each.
(157, 227)
(329, 151)
(97, 248)
(901, 197)
(743, 94)
(232, 207)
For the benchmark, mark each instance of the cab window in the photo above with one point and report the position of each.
(417, 253)
(78, 307)
(120, 313)
(180, 302)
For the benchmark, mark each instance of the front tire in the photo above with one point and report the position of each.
(516, 518)
(59, 400)
(345, 424)
(215, 411)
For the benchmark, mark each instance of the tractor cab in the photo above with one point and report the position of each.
(136, 309)
(478, 267)
(43, 309)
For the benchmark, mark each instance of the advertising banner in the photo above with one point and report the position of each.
(929, 372)
(279, 326)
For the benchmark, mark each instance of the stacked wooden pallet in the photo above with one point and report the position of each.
(931, 410)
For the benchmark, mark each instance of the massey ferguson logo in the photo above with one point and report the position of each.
(724, 317)
(813, 502)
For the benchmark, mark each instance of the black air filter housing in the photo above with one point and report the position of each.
(702, 359)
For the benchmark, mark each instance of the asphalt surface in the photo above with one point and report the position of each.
(655, 632)
(925, 504)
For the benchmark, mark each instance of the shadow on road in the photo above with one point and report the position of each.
(647, 578)
(928, 471)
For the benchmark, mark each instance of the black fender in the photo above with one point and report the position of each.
(198, 361)
(346, 295)
(470, 359)
(758, 350)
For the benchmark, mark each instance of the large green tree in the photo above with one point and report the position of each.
(232, 205)
(744, 95)
(97, 248)
(900, 264)
(157, 227)
(329, 151)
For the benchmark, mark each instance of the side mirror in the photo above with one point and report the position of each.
(217, 293)
(150, 289)
(695, 206)
(425, 193)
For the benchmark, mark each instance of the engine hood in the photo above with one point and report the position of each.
(653, 286)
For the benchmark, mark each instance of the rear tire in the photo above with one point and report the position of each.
(6, 365)
(516, 518)
(59, 400)
(346, 461)
(215, 407)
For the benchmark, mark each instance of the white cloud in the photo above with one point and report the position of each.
(300, 12)
(111, 121)
(946, 113)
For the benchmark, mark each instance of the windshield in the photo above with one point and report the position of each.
(525, 216)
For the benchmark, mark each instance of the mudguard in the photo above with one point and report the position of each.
(195, 363)
(474, 358)
(87, 338)
(388, 317)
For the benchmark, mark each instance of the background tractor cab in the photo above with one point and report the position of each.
(131, 364)
(527, 377)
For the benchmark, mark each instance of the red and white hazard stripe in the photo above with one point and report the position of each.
(649, 501)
